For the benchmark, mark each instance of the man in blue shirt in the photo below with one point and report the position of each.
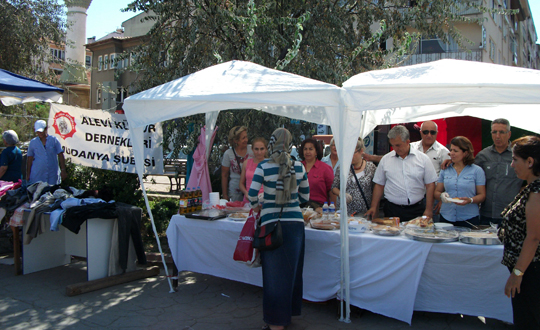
(11, 158)
(44, 155)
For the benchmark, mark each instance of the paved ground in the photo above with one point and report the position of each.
(157, 184)
(202, 302)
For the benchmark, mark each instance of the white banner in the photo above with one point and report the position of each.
(96, 138)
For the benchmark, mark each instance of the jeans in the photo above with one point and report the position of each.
(526, 304)
(475, 221)
(282, 276)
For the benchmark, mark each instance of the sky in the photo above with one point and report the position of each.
(104, 16)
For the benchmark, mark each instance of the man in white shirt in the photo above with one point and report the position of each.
(436, 152)
(429, 145)
(404, 176)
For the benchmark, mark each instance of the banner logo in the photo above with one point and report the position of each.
(64, 124)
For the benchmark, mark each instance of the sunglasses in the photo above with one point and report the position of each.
(499, 132)
(426, 132)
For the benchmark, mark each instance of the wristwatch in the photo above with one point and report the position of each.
(517, 272)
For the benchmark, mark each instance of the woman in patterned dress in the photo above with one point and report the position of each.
(520, 233)
(231, 164)
(364, 172)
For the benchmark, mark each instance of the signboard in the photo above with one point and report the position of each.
(369, 142)
(99, 139)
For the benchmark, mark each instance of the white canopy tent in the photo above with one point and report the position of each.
(243, 85)
(446, 88)
(427, 91)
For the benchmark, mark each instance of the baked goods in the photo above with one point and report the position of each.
(384, 230)
(387, 221)
(309, 214)
(325, 224)
(423, 221)
(239, 215)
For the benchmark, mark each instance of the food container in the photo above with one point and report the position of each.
(433, 236)
(479, 238)
(444, 225)
(324, 224)
(357, 227)
(238, 216)
(210, 214)
(383, 230)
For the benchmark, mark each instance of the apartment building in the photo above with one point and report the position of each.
(111, 58)
(500, 39)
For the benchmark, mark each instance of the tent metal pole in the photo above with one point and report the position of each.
(155, 233)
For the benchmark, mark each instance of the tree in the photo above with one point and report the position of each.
(327, 40)
(26, 29)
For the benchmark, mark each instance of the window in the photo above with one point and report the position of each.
(492, 50)
(88, 60)
(105, 62)
(98, 95)
(113, 63)
(100, 63)
(120, 95)
(493, 6)
(126, 62)
(513, 49)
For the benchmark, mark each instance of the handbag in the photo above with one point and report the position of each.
(244, 252)
(270, 236)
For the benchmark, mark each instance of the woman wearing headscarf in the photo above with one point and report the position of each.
(11, 158)
(285, 186)
(231, 165)
(520, 233)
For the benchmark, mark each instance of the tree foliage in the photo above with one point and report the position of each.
(327, 40)
(26, 29)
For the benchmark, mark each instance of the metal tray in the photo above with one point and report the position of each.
(438, 236)
(480, 240)
(205, 215)
(459, 229)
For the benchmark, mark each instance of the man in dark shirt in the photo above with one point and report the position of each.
(502, 184)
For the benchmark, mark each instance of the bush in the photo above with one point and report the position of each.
(162, 210)
(120, 186)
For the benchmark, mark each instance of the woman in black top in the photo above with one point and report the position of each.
(520, 233)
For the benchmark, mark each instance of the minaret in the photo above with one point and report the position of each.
(74, 68)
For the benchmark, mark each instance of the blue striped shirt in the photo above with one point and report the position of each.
(266, 175)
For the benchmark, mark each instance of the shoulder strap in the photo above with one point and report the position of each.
(358, 184)
(237, 159)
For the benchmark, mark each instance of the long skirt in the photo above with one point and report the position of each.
(282, 276)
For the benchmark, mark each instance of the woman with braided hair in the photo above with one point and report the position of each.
(285, 186)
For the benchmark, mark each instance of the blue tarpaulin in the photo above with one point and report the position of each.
(16, 89)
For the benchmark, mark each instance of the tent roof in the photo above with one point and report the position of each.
(16, 89)
(234, 85)
(443, 82)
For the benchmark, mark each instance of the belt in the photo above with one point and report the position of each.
(407, 206)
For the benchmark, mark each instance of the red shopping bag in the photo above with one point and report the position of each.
(244, 252)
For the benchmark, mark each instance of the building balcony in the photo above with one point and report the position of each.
(475, 56)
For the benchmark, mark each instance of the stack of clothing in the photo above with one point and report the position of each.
(71, 207)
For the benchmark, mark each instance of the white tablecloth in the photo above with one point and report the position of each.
(391, 276)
